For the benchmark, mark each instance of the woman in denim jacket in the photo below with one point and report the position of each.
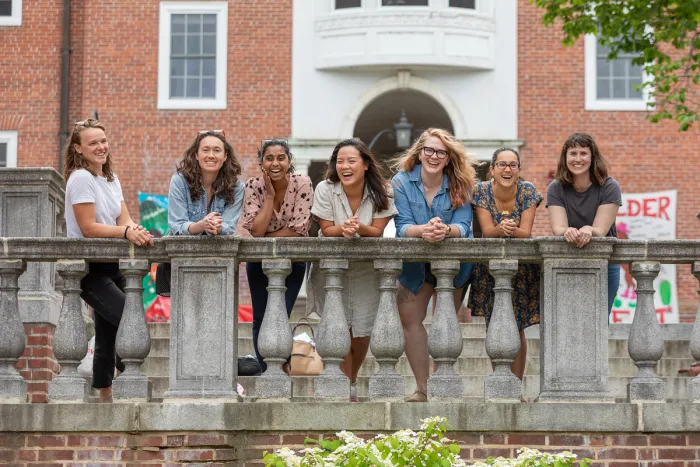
(205, 196)
(432, 192)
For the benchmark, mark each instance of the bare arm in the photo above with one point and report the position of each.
(329, 228)
(374, 230)
(488, 228)
(415, 231)
(527, 219)
(85, 217)
(604, 219)
(558, 219)
(283, 232)
(262, 218)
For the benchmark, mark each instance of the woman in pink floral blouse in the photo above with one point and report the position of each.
(278, 204)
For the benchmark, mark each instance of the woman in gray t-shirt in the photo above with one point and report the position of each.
(583, 200)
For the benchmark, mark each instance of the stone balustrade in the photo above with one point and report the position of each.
(203, 352)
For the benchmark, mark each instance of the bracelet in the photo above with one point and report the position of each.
(449, 230)
(126, 230)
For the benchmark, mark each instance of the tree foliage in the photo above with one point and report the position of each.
(664, 33)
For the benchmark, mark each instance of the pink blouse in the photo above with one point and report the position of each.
(295, 212)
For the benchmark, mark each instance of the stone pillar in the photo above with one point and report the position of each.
(203, 328)
(646, 341)
(445, 338)
(333, 335)
(387, 341)
(503, 338)
(275, 338)
(70, 339)
(133, 338)
(31, 205)
(695, 342)
(13, 388)
(574, 327)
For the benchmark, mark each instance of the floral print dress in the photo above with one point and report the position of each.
(526, 283)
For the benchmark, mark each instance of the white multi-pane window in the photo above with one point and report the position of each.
(192, 55)
(8, 149)
(612, 84)
(10, 12)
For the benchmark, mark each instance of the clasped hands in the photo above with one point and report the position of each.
(435, 230)
(212, 223)
(507, 227)
(579, 237)
(351, 226)
(139, 236)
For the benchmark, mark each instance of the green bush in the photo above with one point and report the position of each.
(426, 448)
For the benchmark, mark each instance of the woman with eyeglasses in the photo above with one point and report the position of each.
(95, 208)
(432, 190)
(505, 207)
(206, 196)
(354, 201)
(278, 204)
(583, 200)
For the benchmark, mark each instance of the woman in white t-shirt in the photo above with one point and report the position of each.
(95, 208)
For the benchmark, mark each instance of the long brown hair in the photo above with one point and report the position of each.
(225, 183)
(599, 166)
(461, 176)
(375, 181)
(73, 160)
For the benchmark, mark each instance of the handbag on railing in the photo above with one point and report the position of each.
(305, 360)
(163, 271)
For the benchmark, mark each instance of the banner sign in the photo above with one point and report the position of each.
(647, 216)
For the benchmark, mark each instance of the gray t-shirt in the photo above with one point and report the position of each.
(84, 187)
(581, 207)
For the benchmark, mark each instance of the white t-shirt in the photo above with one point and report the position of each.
(84, 187)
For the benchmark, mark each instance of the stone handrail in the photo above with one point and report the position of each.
(204, 326)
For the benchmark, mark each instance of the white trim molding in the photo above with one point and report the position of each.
(16, 18)
(10, 137)
(167, 9)
(591, 91)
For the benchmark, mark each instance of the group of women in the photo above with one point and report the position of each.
(432, 196)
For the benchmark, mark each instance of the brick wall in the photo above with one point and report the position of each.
(38, 365)
(643, 156)
(245, 449)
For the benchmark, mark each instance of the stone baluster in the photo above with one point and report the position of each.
(70, 338)
(695, 342)
(502, 338)
(133, 339)
(333, 334)
(275, 338)
(387, 341)
(646, 341)
(445, 338)
(13, 388)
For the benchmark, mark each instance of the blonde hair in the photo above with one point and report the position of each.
(74, 160)
(461, 176)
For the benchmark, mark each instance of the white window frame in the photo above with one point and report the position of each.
(167, 9)
(10, 137)
(592, 101)
(16, 18)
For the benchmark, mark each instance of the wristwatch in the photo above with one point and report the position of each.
(449, 230)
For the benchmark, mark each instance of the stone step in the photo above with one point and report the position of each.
(677, 387)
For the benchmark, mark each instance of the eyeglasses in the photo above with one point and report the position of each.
(273, 140)
(429, 152)
(513, 165)
(218, 132)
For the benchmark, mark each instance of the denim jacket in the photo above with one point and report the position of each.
(409, 195)
(183, 212)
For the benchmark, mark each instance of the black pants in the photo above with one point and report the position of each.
(257, 281)
(103, 289)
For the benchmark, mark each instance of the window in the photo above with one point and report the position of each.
(192, 55)
(340, 4)
(10, 12)
(463, 4)
(610, 84)
(404, 2)
(8, 149)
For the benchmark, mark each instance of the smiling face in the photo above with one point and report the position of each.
(350, 166)
(211, 154)
(93, 147)
(275, 162)
(505, 169)
(433, 164)
(578, 160)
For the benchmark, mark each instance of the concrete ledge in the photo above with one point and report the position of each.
(470, 417)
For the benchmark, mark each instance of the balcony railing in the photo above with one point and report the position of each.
(203, 340)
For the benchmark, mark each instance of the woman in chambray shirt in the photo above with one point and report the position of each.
(206, 196)
(432, 193)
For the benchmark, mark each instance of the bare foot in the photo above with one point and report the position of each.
(106, 394)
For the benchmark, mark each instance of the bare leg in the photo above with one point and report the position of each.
(413, 309)
(518, 366)
(106, 394)
(354, 359)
